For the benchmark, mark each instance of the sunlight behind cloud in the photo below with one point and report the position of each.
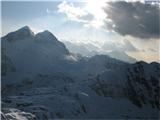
(91, 13)
(95, 7)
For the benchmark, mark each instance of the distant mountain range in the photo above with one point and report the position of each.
(89, 50)
(42, 80)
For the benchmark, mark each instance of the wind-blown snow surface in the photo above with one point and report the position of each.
(15, 114)
(41, 77)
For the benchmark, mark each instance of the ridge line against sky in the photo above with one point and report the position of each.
(62, 18)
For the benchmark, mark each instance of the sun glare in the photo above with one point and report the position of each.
(95, 7)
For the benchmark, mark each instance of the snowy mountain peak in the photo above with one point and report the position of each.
(45, 33)
(25, 31)
(25, 28)
(20, 34)
(36, 49)
(46, 36)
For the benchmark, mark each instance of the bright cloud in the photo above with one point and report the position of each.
(72, 12)
(95, 7)
(91, 14)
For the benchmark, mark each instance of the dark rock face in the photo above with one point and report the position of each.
(142, 86)
(6, 64)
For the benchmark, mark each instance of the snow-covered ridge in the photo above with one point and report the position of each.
(43, 79)
(22, 33)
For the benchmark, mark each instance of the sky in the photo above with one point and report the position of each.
(100, 25)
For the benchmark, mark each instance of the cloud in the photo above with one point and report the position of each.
(152, 50)
(126, 18)
(90, 14)
(72, 12)
(81, 48)
(125, 46)
(128, 46)
(133, 18)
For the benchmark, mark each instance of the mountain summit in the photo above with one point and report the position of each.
(46, 35)
(25, 29)
(29, 52)
(22, 33)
